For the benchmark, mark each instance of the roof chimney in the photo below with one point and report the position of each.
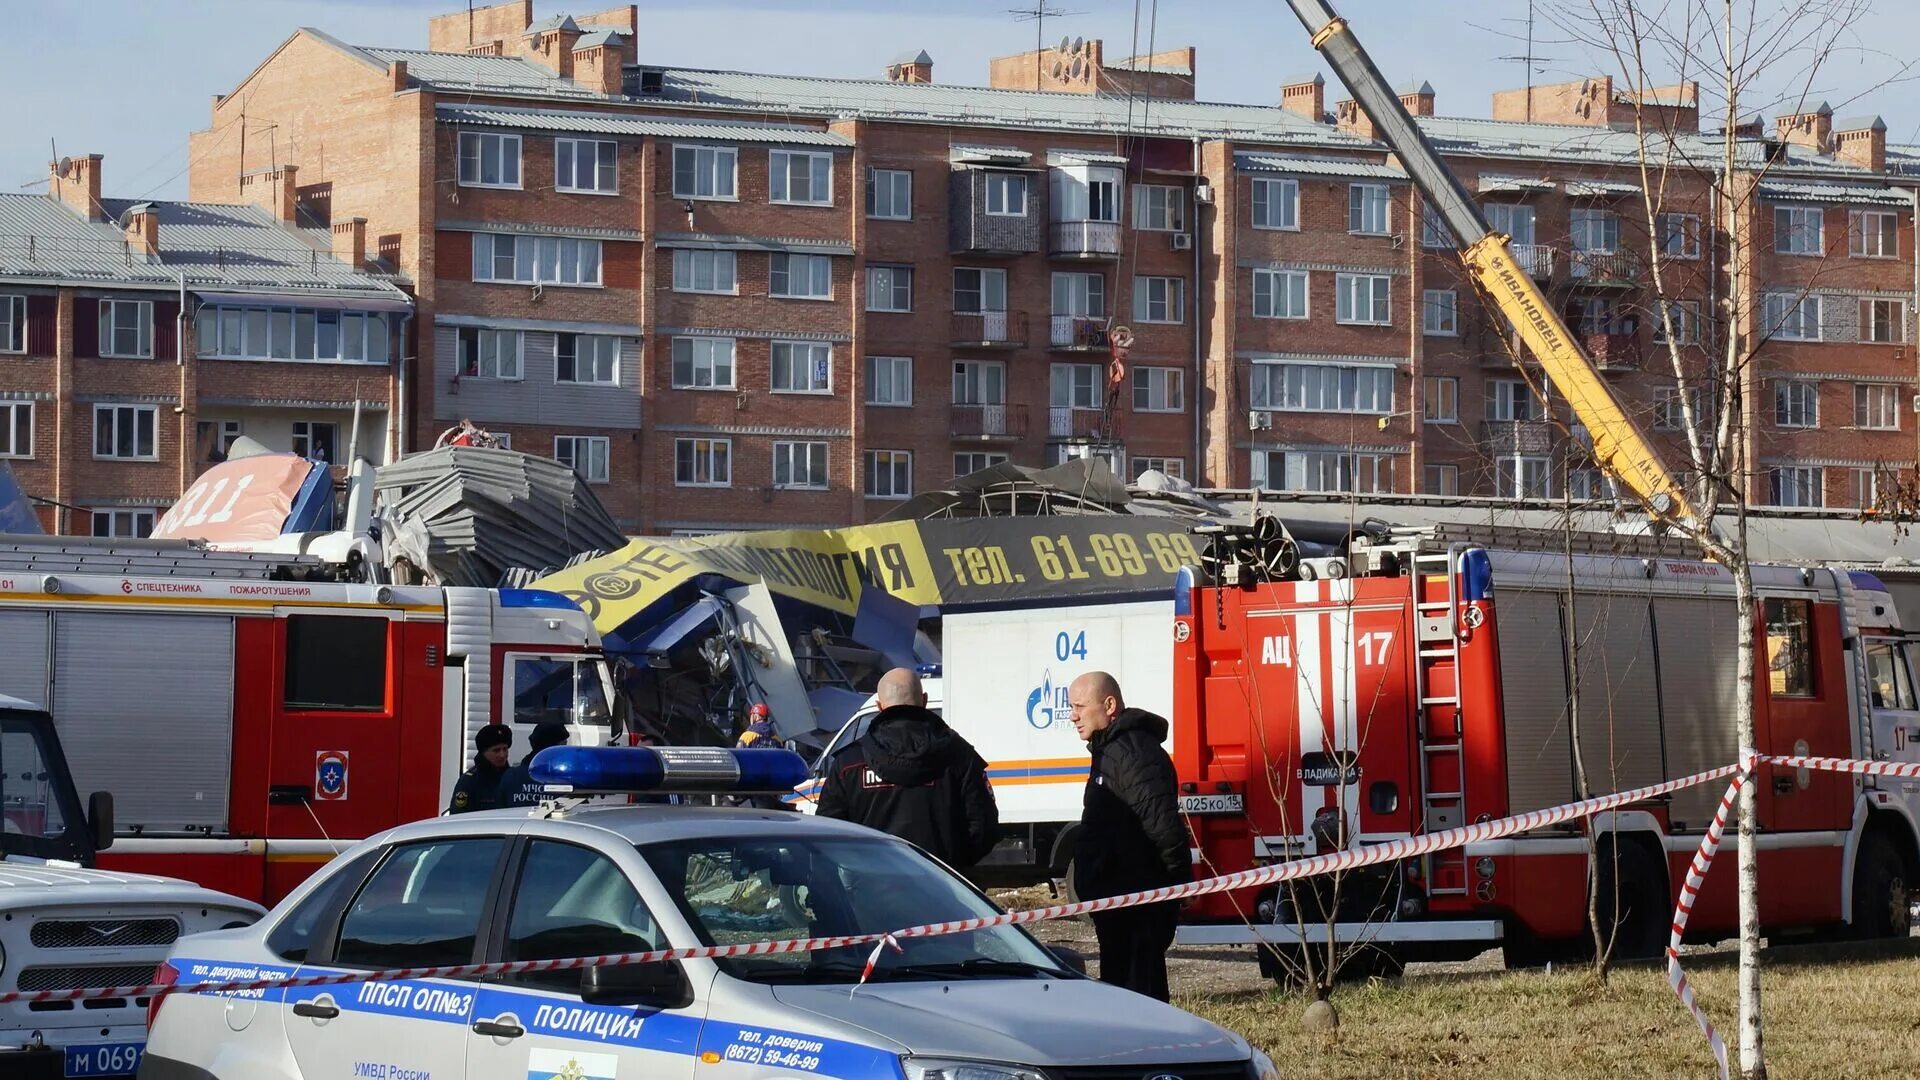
(143, 229)
(599, 62)
(1812, 129)
(550, 43)
(913, 67)
(272, 188)
(1417, 96)
(1305, 96)
(350, 241)
(1861, 141)
(76, 182)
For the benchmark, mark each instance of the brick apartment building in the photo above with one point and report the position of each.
(755, 299)
(138, 340)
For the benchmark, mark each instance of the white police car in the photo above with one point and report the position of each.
(571, 881)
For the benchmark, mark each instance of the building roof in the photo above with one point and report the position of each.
(215, 247)
(912, 57)
(459, 71)
(1247, 161)
(596, 38)
(1835, 193)
(629, 123)
(1157, 67)
(1860, 123)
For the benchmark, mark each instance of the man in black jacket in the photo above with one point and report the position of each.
(1131, 838)
(911, 775)
(516, 786)
(479, 787)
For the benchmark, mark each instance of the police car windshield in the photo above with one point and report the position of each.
(743, 889)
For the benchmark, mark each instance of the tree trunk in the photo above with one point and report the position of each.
(1753, 1061)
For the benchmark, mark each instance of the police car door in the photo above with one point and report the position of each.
(422, 906)
(566, 901)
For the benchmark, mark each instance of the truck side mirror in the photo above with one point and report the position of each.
(100, 819)
(661, 984)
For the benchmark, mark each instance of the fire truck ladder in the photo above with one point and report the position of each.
(26, 554)
(1436, 610)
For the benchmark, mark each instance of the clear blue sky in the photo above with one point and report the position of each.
(153, 65)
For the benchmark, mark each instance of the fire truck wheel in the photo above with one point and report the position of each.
(1880, 884)
(1640, 909)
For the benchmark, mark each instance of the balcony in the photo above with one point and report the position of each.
(989, 423)
(1612, 352)
(1507, 437)
(1078, 333)
(989, 330)
(1609, 268)
(1084, 240)
(1536, 260)
(974, 232)
(1069, 423)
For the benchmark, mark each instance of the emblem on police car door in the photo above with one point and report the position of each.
(330, 776)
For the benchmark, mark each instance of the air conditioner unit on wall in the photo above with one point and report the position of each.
(1182, 242)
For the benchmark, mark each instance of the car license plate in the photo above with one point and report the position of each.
(1212, 804)
(104, 1059)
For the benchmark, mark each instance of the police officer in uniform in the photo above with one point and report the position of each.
(479, 786)
(517, 787)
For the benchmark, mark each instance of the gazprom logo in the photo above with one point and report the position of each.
(1047, 703)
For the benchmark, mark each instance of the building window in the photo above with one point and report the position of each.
(703, 462)
(702, 363)
(1874, 234)
(16, 429)
(316, 439)
(535, 260)
(1796, 404)
(1007, 194)
(890, 288)
(1876, 406)
(1882, 321)
(126, 328)
(584, 454)
(1603, 315)
(889, 380)
(800, 176)
(801, 367)
(1322, 470)
(1075, 386)
(1588, 485)
(1159, 299)
(236, 333)
(1512, 400)
(1440, 399)
(1159, 389)
(490, 354)
(587, 359)
(1159, 208)
(1791, 317)
(489, 160)
(705, 271)
(1796, 485)
(122, 524)
(125, 432)
(1667, 412)
(13, 324)
(1362, 299)
(1083, 295)
(969, 463)
(1680, 236)
(889, 474)
(1797, 230)
(1434, 232)
(1440, 312)
(979, 382)
(800, 465)
(1322, 388)
(1440, 479)
(1595, 232)
(214, 438)
(1523, 477)
(585, 165)
(976, 290)
(1166, 466)
(1513, 219)
(800, 277)
(1369, 209)
(704, 172)
(890, 194)
(1685, 315)
(1866, 488)
(1086, 194)
(1279, 294)
(1276, 204)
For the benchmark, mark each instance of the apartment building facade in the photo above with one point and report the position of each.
(139, 339)
(736, 299)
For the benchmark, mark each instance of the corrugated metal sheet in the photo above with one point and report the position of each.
(1084, 157)
(1836, 193)
(634, 124)
(1490, 185)
(1310, 166)
(1579, 188)
(522, 228)
(706, 242)
(477, 72)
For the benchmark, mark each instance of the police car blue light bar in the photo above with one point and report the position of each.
(681, 770)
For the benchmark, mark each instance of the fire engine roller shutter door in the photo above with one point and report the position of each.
(159, 732)
(1533, 684)
(1619, 695)
(1697, 671)
(23, 655)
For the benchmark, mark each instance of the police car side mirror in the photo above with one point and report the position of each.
(100, 819)
(662, 984)
(1070, 958)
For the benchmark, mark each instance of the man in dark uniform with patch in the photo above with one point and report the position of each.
(517, 787)
(479, 787)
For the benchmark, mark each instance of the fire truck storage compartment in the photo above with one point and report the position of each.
(157, 732)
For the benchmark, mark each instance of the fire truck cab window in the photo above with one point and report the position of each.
(560, 689)
(1887, 668)
(1790, 647)
(336, 662)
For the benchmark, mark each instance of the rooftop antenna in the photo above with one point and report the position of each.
(1038, 15)
(1527, 59)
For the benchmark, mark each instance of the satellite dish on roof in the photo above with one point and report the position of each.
(1058, 69)
(1065, 43)
(1079, 66)
(1079, 45)
(63, 166)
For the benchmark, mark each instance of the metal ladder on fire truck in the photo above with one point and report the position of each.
(25, 553)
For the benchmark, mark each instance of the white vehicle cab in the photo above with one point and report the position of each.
(64, 925)
(571, 880)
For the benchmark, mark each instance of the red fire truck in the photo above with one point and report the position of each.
(249, 724)
(1421, 680)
